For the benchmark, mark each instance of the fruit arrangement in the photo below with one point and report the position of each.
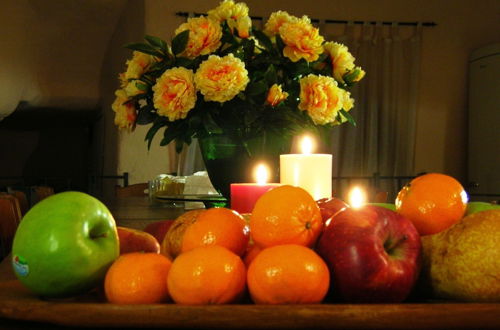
(431, 243)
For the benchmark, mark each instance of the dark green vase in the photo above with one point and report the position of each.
(232, 160)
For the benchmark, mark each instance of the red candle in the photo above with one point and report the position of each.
(245, 195)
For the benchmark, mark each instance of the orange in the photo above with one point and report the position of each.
(433, 202)
(172, 242)
(207, 275)
(252, 251)
(138, 278)
(217, 226)
(288, 274)
(285, 215)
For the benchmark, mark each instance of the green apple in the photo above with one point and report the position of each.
(64, 245)
(473, 207)
(389, 206)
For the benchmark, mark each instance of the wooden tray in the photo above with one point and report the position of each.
(17, 303)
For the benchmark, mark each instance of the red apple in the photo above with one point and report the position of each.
(373, 254)
(159, 229)
(330, 207)
(134, 240)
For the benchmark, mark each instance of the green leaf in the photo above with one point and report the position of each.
(145, 116)
(141, 87)
(249, 48)
(347, 116)
(210, 124)
(179, 42)
(152, 131)
(263, 39)
(185, 62)
(194, 122)
(351, 76)
(256, 88)
(179, 144)
(271, 75)
(280, 43)
(156, 42)
(171, 132)
(301, 68)
(144, 48)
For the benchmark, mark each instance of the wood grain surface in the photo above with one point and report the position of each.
(21, 308)
(17, 303)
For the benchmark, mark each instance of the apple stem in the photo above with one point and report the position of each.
(390, 244)
(94, 235)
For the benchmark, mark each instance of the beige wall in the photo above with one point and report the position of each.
(463, 25)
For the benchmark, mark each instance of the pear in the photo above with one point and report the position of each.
(473, 207)
(463, 262)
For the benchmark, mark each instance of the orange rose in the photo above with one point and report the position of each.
(204, 36)
(221, 78)
(321, 98)
(236, 16)
(275, 95)
(342, 60)
(125, 115)
(302, 40)
(276, 20)
(136, 66)
(174, 93)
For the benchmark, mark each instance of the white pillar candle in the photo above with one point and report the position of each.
(312, 172)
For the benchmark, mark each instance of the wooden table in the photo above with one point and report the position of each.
(137, 212)
(20, 308)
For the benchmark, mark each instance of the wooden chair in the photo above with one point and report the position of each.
(23, 200)
(138, 189)
(42, 192)
(10, 217)
(381, 197)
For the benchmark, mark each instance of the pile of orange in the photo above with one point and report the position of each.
(209, 257)
(216, 256)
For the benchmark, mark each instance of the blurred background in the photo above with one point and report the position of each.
(429, 102)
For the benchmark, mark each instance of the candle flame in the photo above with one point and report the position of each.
(357, 197)
(307, 145)
(261, 174)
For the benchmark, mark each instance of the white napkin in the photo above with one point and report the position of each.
(198, 184)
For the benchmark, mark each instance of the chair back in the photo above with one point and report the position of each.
(22, 199)
(42, 192)
(138, 189)
(10, 217)
(381, 197)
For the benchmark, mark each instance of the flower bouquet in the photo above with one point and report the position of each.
(221, 77)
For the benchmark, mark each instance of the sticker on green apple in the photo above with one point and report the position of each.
(20, 265)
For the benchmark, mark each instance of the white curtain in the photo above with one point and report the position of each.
(383, 141)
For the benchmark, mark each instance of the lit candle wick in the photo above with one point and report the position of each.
(307, 145)
(357, 197)
(261, 174)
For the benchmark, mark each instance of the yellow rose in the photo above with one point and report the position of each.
(174, 93)
(136, 67)
(276, 20)
(221, 78)
(321, 98)
(342, 60)
(124, 112)
(204, 36)
(360, 73)
(276, 95)
(236, 16)
(131, 88)
(348, 102)
(302, 40)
